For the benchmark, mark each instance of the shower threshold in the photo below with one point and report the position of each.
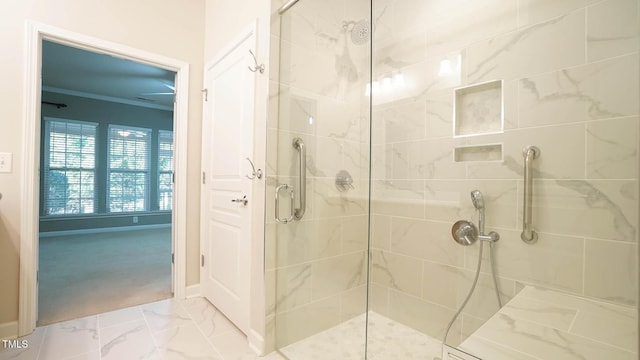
(388, 339)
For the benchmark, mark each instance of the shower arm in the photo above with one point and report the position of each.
(528, 235)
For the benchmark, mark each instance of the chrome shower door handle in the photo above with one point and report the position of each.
(298, 144)
(528, 235)
(277, 209)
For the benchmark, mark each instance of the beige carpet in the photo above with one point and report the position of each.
(83, 275)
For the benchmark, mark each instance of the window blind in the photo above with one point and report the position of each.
(165, 169)
(128, 172)
(69, 170)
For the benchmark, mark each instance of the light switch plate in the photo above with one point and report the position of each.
(5, 162)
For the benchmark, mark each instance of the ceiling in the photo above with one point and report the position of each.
(79, 72)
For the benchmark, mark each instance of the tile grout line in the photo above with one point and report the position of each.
(207, 339)
(153, 338)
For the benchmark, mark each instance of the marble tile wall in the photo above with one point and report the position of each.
(570, 71)
(316, 269)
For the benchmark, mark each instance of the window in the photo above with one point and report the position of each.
(165, 169)
(69, 167)
(128, 172)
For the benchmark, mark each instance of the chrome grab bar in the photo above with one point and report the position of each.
(298, 144)
(277, 209)
(528, 235)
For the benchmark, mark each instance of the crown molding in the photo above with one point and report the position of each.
(88, 95)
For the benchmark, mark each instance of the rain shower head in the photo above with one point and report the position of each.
(477, 199)
(360, 31)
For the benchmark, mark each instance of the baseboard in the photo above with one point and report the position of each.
(103, 230)
(193, 291)
(9, 330)
(256, 342)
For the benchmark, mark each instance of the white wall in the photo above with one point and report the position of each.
(172, 28)
(224, 20)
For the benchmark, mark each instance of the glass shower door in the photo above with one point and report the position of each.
(459, 90)
(318, 179)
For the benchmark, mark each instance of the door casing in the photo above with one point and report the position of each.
(35, 34)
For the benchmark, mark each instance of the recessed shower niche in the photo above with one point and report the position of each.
(478, 109)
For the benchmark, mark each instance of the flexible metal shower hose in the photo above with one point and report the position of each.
(473, 287)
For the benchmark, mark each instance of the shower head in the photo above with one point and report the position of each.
(360, 32)
(477, 199)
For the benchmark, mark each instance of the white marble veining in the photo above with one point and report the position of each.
(606, 38)
(515, 54)
(190, 329)
(570, 86)
(545, 324)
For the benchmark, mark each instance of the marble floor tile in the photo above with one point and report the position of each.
(164, 315)
(94, 355)
(120, 316)
(209, 319)
(70, 338)
(28, 353)
(185, 342)
(131, 340)
(194, 329)
(234, 346)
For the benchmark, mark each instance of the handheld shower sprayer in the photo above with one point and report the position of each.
(477, 199)
(478, 202)
(465, 233)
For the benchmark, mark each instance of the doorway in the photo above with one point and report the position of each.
(105, 183)
(37, 35)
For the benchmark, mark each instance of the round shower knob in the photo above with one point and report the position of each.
(464, 232)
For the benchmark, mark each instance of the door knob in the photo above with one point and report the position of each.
(243, 201)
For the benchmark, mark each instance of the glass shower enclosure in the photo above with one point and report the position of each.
(392, 120)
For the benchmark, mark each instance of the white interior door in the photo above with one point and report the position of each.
(226, 219)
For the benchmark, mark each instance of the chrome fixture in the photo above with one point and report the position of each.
(528, 235)
(478, 202)
(242, 201)
(296, 213)
(291, 207)
(466, 233)
(254, 173)
(286, 6)
(344, 181)
(256, 67)
(360, 31)
(298, 144)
